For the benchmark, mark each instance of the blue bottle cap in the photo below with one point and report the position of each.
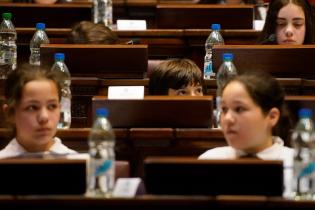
(305, 113)
(7, 15)
(102, 112)
(227, 56)
(59, 56)
(40, 26)
(216, 26)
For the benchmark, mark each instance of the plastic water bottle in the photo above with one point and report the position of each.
(8, 52)
(214, 38)
(103, 12)
(226, 71)
(65, 115)
(102, 156)
(40, 37)
(303, 143)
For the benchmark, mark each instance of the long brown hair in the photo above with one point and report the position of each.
(268, 33)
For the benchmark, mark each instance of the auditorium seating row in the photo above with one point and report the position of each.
(104, 61)
(162, 43)
(83, 89)
(157, 15)
(161, 126)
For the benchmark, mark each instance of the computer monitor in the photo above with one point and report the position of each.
(187, 176)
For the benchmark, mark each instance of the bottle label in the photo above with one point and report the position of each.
(8, 56)
(307, 170)
(66, 108)
(208, 72)
(103, 168)
(208, 68)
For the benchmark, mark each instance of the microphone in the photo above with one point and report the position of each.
(271, 38)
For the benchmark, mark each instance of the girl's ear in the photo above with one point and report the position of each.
(273, 116)
(7, 113)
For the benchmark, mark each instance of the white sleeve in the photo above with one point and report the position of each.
(218, 153)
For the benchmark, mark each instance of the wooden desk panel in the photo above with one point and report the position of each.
(155, 202)
(84, 88)
(157, 111)
(152, 202)
(202, 15)
(279, 60)
(162, 43)
(135, 144)
(54, 15)
(107, 61)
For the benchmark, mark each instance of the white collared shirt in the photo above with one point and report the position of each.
(14, 149)
(275, 152)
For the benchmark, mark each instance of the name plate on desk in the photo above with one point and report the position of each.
(126, 187)
(133, 25)
(125, 92)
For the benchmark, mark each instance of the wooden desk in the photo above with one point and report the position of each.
(54, 15)
(64, 15)
(84, 88)
(202, 15)
(279, 60)
(157, 111)
(135, 144)
(162, 43)
(107, 61)
(152, 202)
(151, 36)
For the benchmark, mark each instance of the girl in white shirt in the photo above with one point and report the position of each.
(32, 109)
(251, 108)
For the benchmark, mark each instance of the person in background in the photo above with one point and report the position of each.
(87, 32)
(251, 109)
(288, 22)
(32, 110)
(176, 77)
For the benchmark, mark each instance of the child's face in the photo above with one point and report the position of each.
(244, 125)
(290, 28)
(37, 115)
(189, 90)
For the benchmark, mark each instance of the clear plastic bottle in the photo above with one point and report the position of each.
(101, 177)
(303, 143)
(214, 38)
(8, 50)
(40, 37)
(103, 12)
(65, 115)
(226, 71)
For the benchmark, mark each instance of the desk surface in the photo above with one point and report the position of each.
(152, 202)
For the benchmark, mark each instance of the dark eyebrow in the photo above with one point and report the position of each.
(298, 19)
